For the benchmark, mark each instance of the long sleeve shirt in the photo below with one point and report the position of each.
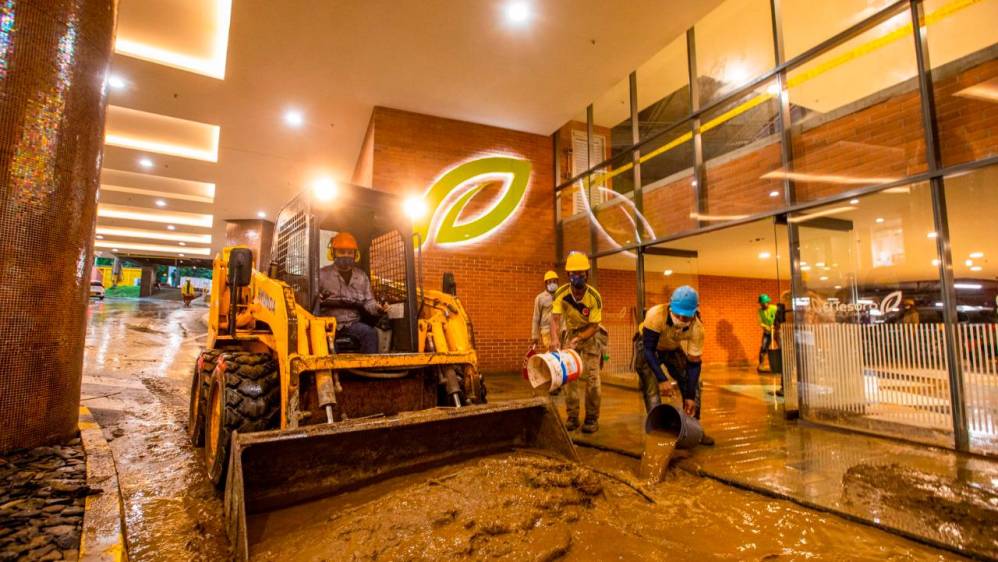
(355, 294)
(541, 324)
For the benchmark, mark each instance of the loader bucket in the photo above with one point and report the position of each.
(276, 469)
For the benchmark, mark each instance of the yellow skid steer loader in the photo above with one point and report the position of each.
(287, 410)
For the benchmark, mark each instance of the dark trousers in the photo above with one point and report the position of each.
(767, 337)
(675, 364)
(364, 334)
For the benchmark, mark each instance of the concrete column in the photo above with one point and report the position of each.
(256, 234)
(54, 57)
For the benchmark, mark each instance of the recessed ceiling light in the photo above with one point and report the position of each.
(854, 201)
(115, 250)
(99, 237)
(182, 243)
(977, 255)
(823, 278)
(764, 255)
(116, 82)
(820, 264)
(171, 227)
(518, 12)
(261, 214)
(838, 286)
(976, 268)
(774, 193)
(880, 220)
(181, 255)
(935, 263)
(667, 272)
(969, 263)
(160, 203)
(294, 118)
(805, 268)
(932, 235)
(145, 163)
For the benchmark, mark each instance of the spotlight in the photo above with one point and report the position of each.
(160, 203)
(518, 12)
(294, 118)
(414, 207)
(145, 163)
(261, 214)
(324, 188)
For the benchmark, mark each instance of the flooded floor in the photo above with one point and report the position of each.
(137, 368)
(524, 506)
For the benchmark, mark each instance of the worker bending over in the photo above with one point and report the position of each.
(576, 313)
(767, 319)
(540, 326)
(345, 292)
(672, 335)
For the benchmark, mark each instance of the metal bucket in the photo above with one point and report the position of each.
(670, 419)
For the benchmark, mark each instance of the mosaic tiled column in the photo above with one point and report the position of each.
(54, 56)
(253, 233)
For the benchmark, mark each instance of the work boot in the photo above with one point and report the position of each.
(707, 440)
(571, 424)
(591, 426)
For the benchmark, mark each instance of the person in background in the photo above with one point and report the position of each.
(345, 292)
(188, 293)
(540, 326)
(909, 314)
(767, 317)
(576, 313)
(672, 334)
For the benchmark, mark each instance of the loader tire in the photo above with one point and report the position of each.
(200, 382)
(244, 396)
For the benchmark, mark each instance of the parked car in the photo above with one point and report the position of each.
(97, 289)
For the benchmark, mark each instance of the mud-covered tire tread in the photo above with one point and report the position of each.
(252, 401)
(196, 423)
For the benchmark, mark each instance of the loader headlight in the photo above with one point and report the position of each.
(414, 207)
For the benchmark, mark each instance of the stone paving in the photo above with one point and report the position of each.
(42, 496)
(928, 494)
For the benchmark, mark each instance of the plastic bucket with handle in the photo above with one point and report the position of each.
(556, 368)
(670, 419)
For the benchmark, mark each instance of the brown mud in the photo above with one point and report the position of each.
(523, 506)
(966, 511)
(659, 447)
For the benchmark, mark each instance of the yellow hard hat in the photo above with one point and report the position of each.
(577, 261)
(550, 275)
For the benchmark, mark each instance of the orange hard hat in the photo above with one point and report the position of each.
(344, 241)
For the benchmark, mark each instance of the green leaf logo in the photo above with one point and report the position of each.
(450, 195)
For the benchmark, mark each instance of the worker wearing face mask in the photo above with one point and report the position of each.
(345, 292)
(672, 335)
(540, 327)
(576, 313)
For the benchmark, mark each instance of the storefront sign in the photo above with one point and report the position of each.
(890, 303)
(452, 192)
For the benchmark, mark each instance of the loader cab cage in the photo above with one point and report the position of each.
(305, 226)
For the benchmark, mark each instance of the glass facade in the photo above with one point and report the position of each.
(866, 133)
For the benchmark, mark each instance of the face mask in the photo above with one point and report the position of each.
(552, 287)
(578, 281)
(343, 262)
(676, 321)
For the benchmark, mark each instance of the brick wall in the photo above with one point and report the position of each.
(498, 278)
(727, 306)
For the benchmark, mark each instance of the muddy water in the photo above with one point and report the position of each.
(659, 446)
(523, 506)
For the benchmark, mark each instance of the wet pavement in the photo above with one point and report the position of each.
(137, 374)
(928, 494)
(137, 366)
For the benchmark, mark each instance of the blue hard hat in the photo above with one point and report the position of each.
(684, 301)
